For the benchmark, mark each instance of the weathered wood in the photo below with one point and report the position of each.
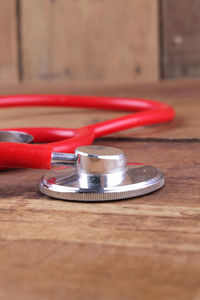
(142, 248)
(183, 96)
(181, 38)
(85, 39)
(8, 44)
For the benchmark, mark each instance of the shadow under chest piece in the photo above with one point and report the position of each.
(99, 173)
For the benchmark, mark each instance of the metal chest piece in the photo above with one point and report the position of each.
(101, 174)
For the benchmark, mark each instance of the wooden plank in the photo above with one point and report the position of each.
(8, 45)
(183, 96)
(88, 40)
(60, 270)
(147, 248)
(181, 36)
(143, 248)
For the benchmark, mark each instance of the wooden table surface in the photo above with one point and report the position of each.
(143, 248)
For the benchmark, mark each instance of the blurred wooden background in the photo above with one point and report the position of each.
(104, 41)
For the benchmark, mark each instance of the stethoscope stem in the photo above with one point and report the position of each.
(64, 159)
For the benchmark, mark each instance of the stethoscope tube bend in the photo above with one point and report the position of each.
(62, 140)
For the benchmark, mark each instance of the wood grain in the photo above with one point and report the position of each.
(181, 46)
(8, 42)
(143, 248)
(86, 39)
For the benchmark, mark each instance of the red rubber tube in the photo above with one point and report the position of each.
(66, 140)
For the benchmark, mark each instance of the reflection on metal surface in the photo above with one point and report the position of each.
(15, 137)
(101, 174)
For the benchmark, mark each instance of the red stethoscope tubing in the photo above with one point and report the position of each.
(146, 112)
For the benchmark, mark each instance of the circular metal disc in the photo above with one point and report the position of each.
(139, 180)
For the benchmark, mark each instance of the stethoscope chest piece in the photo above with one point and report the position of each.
(101, 174)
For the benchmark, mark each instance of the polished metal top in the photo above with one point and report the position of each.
(100, 174)
(99, 160)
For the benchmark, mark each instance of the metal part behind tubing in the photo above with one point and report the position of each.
(58, 159)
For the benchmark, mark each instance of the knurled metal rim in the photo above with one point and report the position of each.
(149, 179)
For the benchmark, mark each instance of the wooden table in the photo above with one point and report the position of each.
(143, 248)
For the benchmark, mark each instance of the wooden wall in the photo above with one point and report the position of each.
(181, 38)
(8, 41)
(107, 40)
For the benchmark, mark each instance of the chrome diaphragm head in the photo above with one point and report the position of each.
(101, 174)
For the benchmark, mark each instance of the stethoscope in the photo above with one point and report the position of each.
(84, 172)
